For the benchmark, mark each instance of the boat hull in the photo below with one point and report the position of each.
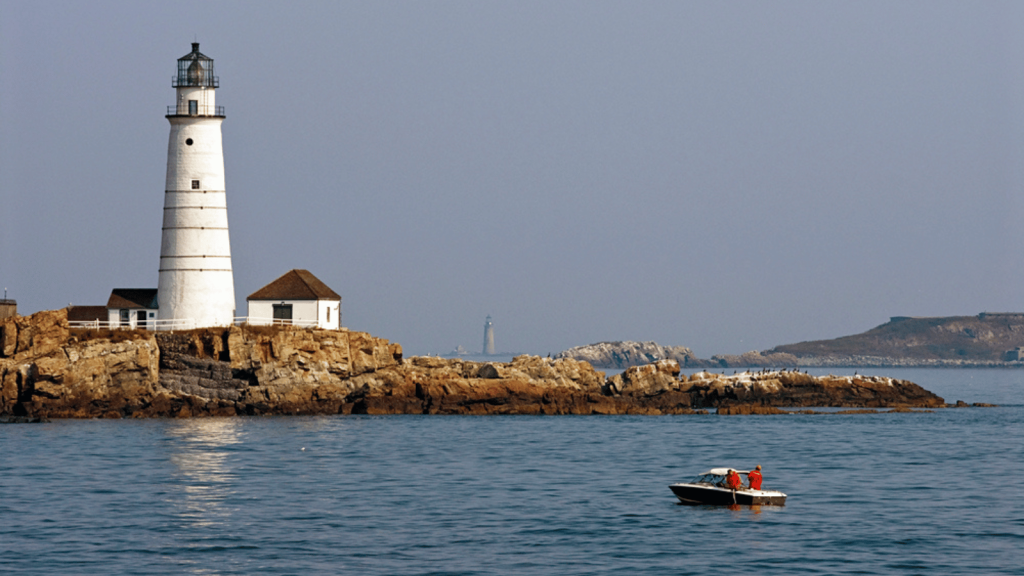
(696, 494)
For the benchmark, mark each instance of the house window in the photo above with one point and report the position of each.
(282, 313)
(125, 317)
(195, 184)
(328, 313)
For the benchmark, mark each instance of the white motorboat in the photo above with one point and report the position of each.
(710, 488)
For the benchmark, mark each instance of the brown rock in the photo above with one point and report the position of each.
(648, 380)
(289, 370)
(39, 333)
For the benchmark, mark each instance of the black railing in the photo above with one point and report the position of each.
(185, 82)
(182, 110)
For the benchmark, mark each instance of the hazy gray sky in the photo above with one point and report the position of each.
(725, 176)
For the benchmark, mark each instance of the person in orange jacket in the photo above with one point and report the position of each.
(732, 480)
(754, 477)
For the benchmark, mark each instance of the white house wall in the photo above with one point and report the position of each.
(304, 312)
(331, 321)
(114, 317)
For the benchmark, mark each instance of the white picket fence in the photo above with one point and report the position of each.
(171, 325)
(255, 321)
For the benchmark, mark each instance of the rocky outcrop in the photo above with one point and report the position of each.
(49, 371)
(46, 372)
(754, 358)
(39, 333)
(619, 355)
(657, 386)
(527, 385)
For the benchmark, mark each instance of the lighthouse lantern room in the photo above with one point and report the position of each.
(196, 286)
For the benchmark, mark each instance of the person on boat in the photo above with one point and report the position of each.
(754, 477)
(732, 480)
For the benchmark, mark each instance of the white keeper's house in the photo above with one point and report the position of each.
(297, 297)
(134, 308)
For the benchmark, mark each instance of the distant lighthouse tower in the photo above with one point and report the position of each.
(196, 282)
(488, 337)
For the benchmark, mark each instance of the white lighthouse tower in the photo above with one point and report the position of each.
(196, 283)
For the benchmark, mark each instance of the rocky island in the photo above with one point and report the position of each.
(48, 370)
(984, 340)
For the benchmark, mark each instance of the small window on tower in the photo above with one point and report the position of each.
(195, 184)
(193, 107)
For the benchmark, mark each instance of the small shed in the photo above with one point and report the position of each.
(8, 308)
(87, 316)
(297, 297)
(132, 308)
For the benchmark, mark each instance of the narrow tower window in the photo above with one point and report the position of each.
(195, 184)
(188, 141)
(193, 107)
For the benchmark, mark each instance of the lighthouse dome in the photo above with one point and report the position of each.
(195, 69)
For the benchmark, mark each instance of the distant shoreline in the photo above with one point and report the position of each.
(987, 340)
(910, 363)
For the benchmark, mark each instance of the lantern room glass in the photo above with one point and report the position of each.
(195, 69)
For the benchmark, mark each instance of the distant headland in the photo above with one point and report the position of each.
(987, 340)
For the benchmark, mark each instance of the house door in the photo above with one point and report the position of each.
(140, 319)
(282, 313)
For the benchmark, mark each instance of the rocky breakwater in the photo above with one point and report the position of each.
(658, 387)
(527, 385)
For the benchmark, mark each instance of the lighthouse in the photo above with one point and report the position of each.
(488, 338)
(196, 288)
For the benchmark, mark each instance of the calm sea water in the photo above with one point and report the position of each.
(923, 493)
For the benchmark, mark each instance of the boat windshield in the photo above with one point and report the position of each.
(713, 479)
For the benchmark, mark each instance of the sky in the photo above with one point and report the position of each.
(727, 176)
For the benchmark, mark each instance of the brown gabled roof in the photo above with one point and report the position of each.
(132, 298)
(87, 313)
(295, 285)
